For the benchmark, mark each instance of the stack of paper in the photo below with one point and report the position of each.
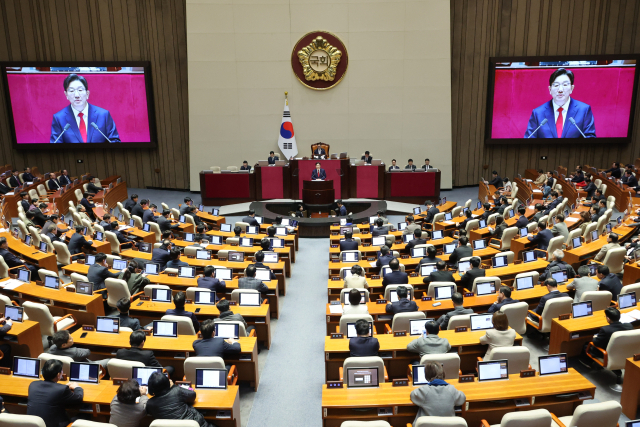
(449, 222)
(372, 264)
(11, 284)
(629, 317)
(335, 309)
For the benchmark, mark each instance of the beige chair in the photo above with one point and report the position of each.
(532, 227)
(189, 220)
(614, 259)
(35, 236)
(351, 318)
(155, 228)
(165, 206)
(23, 228)
(175, 213)
(517, 316)
(587, 231)
(194, 362)
(185, 325)
(76, 277)
(440, 421)
(431, 291)
(90, 230)
(6, 301)
(117, 289)
(449, 361)
(137, 221)
(534, 418)
(555, 243)
(365, 362)
(467, 204)
(456, 211)
(4, 269)
(111, 258)
(78, 194)
(48, 324)
(552, 310)
(242, 225)
(33, 194)
(216, 169)
(577, 232)
(111, 237)
(66, 361)
(401, 321)
(148, 290)
(377, 423)
(472, 225)
(459, 321)
(517, 355)
(389, 288)
(191, 292)
(42, 192)
(496, 283)
(174, 423)
(47, 240)
(86, 423)
(232, 168)
(119, 368)
(599, 299)
(345, 292)
(622, 345)
(602, 414)
(505, 243)
(634, 287)
(16, 420)
(42, 273)
(126, 216)
(235, 294)
(191, 250)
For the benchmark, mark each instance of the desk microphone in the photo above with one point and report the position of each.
(544, 122)
(67, 126)
(95, 126)
(574, 123)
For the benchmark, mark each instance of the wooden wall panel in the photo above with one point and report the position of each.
(114, 30)
(486, 28)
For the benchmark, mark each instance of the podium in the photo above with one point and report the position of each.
(318, 193)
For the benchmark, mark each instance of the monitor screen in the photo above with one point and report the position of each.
(417, 211)
(524, 231)
(225, 228)
(634, 423)
(499, 261)
(449, 248)
(608, 227)
(346, 297)
(188, 272)
(211, 379)
(393, 295)
(108, 324)
(553, 364)
(559, 276)
(52, 282)
(581, 309)
(418, 252)
(181, 218)
(215, 240)
(448, 216)
(282, 231)
(27, 240)
(379, 241)
(437, 235)
(145, 247)
(482, 223)
(222, 273)
(119, 264)
(351, 330)
(362, 377)
(151, 268)
(270, 257)
(43, 247)
(146, 228)
(402, 226)
(386, 270)
(249, 299)
(188, 237)
(594, 235)
(479, 205)
(479, 244)
(444, 292)
(252, 229)
(427, 269)
(345, 229)
(284, 222)
(215, 212)
(165, 329)
(372, 219)
(227, 330)
(350, 257)
(234, 256)
(99, 236)
(24, 275)
(142, 374)
(161, 295)
(205, 297)
(246, 242)
(26, 367)
(84, 372)
(576, 242)
(346, 273)
(259, 219)
(16, 313)
(204, 255)
(528, 256)
(263, 274)
(464, 266)
(277, 243)
(493, 370)
(417, 326)
(418, 375)
(486, 288)
(627, 300)
(523, 283)
(85, 288)
(480, 322)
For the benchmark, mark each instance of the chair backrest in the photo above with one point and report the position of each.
(185, 325)
(459, 320)
(472, 225)
(438, 217)
(33, 194)
(588, 229)
(491, 219)
(119, 368)
(509, 254)
(235, 294)
(137, 221)
(40, 313)
(42, 273)
(456, 211)
(614, 259)
(189, 219)
(599, 299)
(450, 362)
(602, 221)
(120, 206)
(98, 227)
(553, 309)
(401, 321)
(389, 288)
(41, 190)
(35, 235)
(66, 361)
(113, 241)
(517, 316)
(191, 250)
(191, 292)
(16, 420)
(633, 287)
(507, 235)
(365, 362)
(110, 259)
(531, 227)
(242, 225)
(440, 421)
(496, 282)
(148, 290)
(76, 277)
(4, 301)
(517, 355)
(351, 251)
(116, 289)
(577, 232)
(47, 240)
(467, 204)
(216, 169)
(352, 318)
(345, 292)
(232, 168)
(174, 423)
(431, 291)
(175, 213)
(87, 423)
(554, 243)
(89, 226)
(78, 194)
(4, 269)
(23, 228)
(534, 418)
(127, 215)
(602, 414)
(622, 345)
(155, 228)
(192, 363)
(62, 253)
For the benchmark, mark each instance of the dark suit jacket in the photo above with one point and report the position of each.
(470, 276)
(322, 175)
(342, 211)
(97, 274)
(214, 347)
(348, 245)
(497, 182)
(251, 221)
(39, 219)
(129, 204)
(77, 242)
(384, 260)
(401, 306)
(580, 111)
(129, 322)
(394, 167)
(272, 160)
(363, 346)
(395, 278)
(53, 184)
(64, 180)
(380, 231)
(433, 211)
(590, 189)
(27, 177)
(319, 152)
(165, 224)
(148, 216)
(459, 253)
(496, 306)
(410, 245)
(89, 207)
(604, 334)
(612, 284)
(245, 168)
(137, 210)
(367, 159)
(412, 167)
(547, 297)
(212, 283)
(14, 181)
(92, 188)
(522, 222)
(441, 276)
(97, 115)
(135, 354)
(161, 256)
(185, 313)
(542, 239)
(426, 260)
(48, 401)
(3, 188)
(632, 181)
(10, 259)
(121, 237)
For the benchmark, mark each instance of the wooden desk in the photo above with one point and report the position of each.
(485, 191)
(147, 311)
(587, 251)
(99, 396)
(62, 200)
(630, 388)
(412, 187)
(393, 351)
(211, 219)
(631, 274)
(84, 308)
(104, 246)
(31, 254)
(289, 239)
(25, 339)
(484, 400)
(117, 193)
(171, 351)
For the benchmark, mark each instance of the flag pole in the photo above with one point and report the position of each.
(286, 98)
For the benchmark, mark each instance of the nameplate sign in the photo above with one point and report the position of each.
(334, 278)
(366, 245)
(5, 371)
(413, 275)
(371, 258)
(400, 383)
(375, 277)
(527, 373)
(427, 298)
(119, 381)
(400, 334)
(336, 335)
(466, 378)
(381, 301)
(233, 302)
(405, 257)
(468, 294)
(172, 274)
(335, 384)
(145, 298)
(88, 328)
(564, 316)
(636, 357)
(461, 329)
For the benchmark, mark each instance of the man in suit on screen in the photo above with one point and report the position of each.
(80, 115)
(566, 117)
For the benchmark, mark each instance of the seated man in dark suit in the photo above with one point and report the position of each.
(417, 240)
(39, 218)
(53, 183)
(595, 198)
(504, 298)
(498, 230)
(64, 177)
(385, 256)
(245, 166)
(53, 233)
(123, 305)
(342, 210)
(27, 176)
(210, 346)
(178, 302)
(128, 243)
(137, 354)
(209, 282)
(139, 209)
(410, 165)
(259, 257)
(251, 219)
(87, 202)
(522, 219)
(272, 158)
(92, 186)
(496, 181)
(631, 180)
(164, 223)
(458, 308)
(552, 288)
(14, 180)
(363, 345)
(174, 259)
(367, 157)
(609, 282)
(129, 204)
(149, 214)
(432, 211)
(471, 275)
(25, 201)
(319, 152)
(542, 238)
(440, 274)
(429, 258)
(555, 201)
(99, 272)
(396, 277)
(380, 229)
(393, 166)
(77, 242)
(469, 217)
(188, 202)
(226, 315)
(539, 208)
(48, 400)
(348, 244)
(403, 305)
(462, 251)
(590, 188)
(249, 281)
(4, 188)
(106, 222)
(161, 255)
(602, 338)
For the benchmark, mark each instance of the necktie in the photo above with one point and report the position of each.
(559, 123)
(83, 128)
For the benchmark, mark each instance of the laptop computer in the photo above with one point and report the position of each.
(187, 272)
(249, 299)
(493, 370)
(524, 231)
(142, 374)
(211, 379)
(576, 242)
(523, 283)
(449, 248)
(350, 257)
(222, 273)
(362, 298)
(553, 364)
(270, 257)
(426, 269)
(437, 235)
(418, 326)
(119, 264)
(234, 256)
(485, 288)
(559, 276)
(205, 297)
(84, 288)
(627, 300)
(479, 244)
(227, 330)
(188, 237)
(252, 229)
(351, 330)
(215, 240)
(52, 282)
(203, 254)
(464, 266)
(109, 325)
(226, 228)
(480, 322)
(581, 309)
(528, 256)
(499, 261)
(246, 242)
(444, 292)
(263, 274)
(362, 377)
(418, 252)
(161, 295)
(16, 314)
(151, 268)
(418, 375)
(378, 241)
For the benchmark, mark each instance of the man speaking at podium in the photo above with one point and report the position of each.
(562, 117)
(318, 173)
(81, 122)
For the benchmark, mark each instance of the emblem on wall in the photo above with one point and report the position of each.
(319, 60)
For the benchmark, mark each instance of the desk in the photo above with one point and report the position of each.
(393, 351)
(483, 400)
(103, 247)
(412, 187)
(485, 191)
(289, 239)
(31, 254)
(367, 181)
(272, 182)
(171, 351)
(62, 200)
(631, 274)
(99, 396)
(116, 194)
(25, 339)
(211, 219)
(587, 251)
(219, 189)
(630, 388)
(338, 171)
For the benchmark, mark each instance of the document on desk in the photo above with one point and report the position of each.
(335, 309)
(83, 373)
(123, 227)
(569, 219)
(629, 317)
(449, 222)
(11, 284)
(372, 263)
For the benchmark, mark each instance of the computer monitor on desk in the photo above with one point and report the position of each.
(493, 370)
(142, 374)
(362, 377)
(553, 364)
(211, 379)
(26, 367)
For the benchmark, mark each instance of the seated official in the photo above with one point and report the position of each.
(354, 306)
(541, 178)
(99, 272)
(440, 274)
(197, 241)
(403, 305)
(438, 398)
(560, 228)
(63, 346)
(249, 281)
(542, 238)
(500, 335)
(210, 346)
(417, 240)
(631, 180)
(174, 259)
(164, 223)
(82, 213)
(122, 239)
(393, 165)
(583, 283)
(29, 222)
(207, 281)
(124, 305)
(380, 229)
(193, 211)
(380, 214)
(259, 258)
(363, 345)
(496, 181)
(179, 301)
(411, 226)
(590, 187)
(504, 298)
(226, 315)
(25, 201)
(172, 402)
(608, 282)
(488, 210)
(429, 258)
(136, 354)
(319, 152)
(539, 208)
(64, 177)
(53, 233)
(427, 165)
(367, 157)
(4, 189)
(78, 243)
(251, 219)
(132, 275)
(342, 210)
(462, 251)
(429, 342)
(188, 202)
(432, 211)
(348, 244)
(602, 338)
(139, 209)
(499, 228)
(53, 220)
(149, 214)
(53, 183)
(299, 211)
(385, 256)
(612, 243)
(557, 264)
(106, 222)
(595, 198)
(129, 406)
(272, 158)
(410, 165)
(318, 173)
(161, 255)
(357, 278)
(27, 176)
(552, 288)
(7, 360)
(468, 217)
(467, 278)
(395, 277)
(92, 186)
(48, 400)
(87, 203)
(245, 166)
(266, 244)
(129, 204)
(458, 308)
(522, 219)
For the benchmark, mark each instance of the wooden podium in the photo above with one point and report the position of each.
(318, 193)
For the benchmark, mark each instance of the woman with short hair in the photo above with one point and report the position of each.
(126, 409)
(437, 398)
(500, 335)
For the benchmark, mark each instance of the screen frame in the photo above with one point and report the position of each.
(493, 61)
(148, 83)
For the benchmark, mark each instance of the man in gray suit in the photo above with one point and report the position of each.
(557, 264)
(226, 315)
(380, 229)
(612, 242)
(560, 228)
(458, 309)
(63, 346)
(381, 215)
(411, 226)
(583, 283)
(249, 281)
(430, 343)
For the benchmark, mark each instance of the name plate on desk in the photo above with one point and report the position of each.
(400, 334)
(191, 256)
(88, 328)
(119, 381)
(371, 258)
(335, 336)
(400, 383)
(172, 274)
(147, 332)
(375, 277)
(366, 245)
(468, 294)
(69, 289)
(222, 259)
(233, 244)
(188, 301)
(145, 298)
(381, 301)
(461, 329)
(427, 298)
(335, 278)
(335, 261)
(334, 246)
(527, 373)
(404, 256)
(80, 261)
(466, 378)
(233, 302)
(636, 357)
(364, 232)
(564, 316)
(335, 384)
(5, 371)
(413, 275)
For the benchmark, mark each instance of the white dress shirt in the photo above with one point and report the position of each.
(565, 108)
(85, 118)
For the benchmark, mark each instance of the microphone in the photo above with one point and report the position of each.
(67, 126)
(544, 122)
(574, 123)
(95, 126)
